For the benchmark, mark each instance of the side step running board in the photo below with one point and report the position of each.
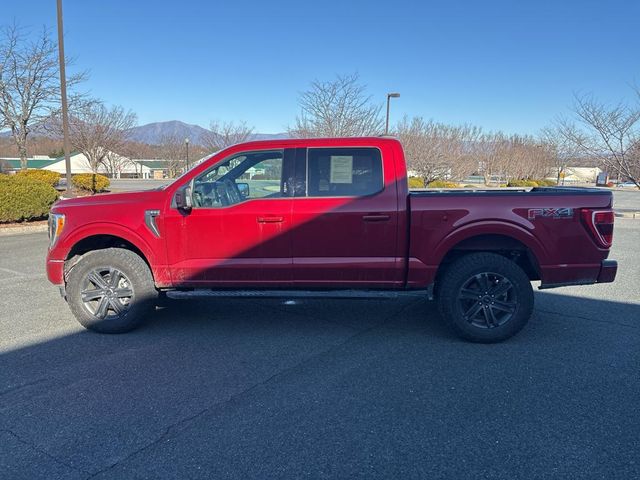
(178, 294)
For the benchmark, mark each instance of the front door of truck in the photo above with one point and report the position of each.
(238, 231)
(345, 219)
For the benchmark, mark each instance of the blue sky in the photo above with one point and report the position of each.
(509, 65)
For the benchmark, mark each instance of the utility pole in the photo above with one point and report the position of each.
(63, 97)
(389, 97)
(186, 142)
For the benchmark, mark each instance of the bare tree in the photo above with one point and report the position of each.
(437, 151)
(561, 150)
(609, 133)
(29, 84)
(507, 157)
(223, 135)
(101, 134)
(172, 149)
(338, 108)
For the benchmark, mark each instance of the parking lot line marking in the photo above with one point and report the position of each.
(13, 272)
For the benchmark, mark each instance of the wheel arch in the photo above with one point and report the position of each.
(106, 236)
(508, 240)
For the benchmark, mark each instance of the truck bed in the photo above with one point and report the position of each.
(546, 220)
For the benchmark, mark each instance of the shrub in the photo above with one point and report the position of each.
(45, 176)
(522, 183)
(23, 198)
(91, 182)
(442, 184)
(543, 182)
(415, 182)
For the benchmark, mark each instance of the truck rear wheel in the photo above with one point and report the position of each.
(485, 297)
(111, 290)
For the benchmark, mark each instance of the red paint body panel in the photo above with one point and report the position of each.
(391, 239)
(229, 246)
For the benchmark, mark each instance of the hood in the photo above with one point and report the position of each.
(107, 199)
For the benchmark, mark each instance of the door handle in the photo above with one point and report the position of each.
(375, 218)
(270, 219)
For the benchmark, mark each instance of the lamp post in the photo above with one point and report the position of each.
(389, 97)
(186, 143)
(63, 99)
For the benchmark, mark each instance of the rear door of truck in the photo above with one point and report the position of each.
(346, 218)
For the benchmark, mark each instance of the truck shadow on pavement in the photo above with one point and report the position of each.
(256, 388)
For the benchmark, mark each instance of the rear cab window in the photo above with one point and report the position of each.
(339, 172)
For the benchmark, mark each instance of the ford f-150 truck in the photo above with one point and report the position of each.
(327, 217)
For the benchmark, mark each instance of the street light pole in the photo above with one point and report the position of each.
(389, 97)
(186, 142)
(63, 98)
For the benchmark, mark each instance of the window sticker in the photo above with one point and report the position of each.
(341, 169)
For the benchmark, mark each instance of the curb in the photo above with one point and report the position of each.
(23, 229)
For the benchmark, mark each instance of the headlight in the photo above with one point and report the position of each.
(56, 224)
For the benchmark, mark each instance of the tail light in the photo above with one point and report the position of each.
(600, 225)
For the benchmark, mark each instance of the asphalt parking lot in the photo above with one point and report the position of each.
(257, 388)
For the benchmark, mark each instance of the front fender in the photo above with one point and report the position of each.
(104, 228)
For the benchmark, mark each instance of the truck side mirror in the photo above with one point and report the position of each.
(183, 199)
(244, 190)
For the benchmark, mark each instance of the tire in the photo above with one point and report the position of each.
(111, 290)
(485, 297)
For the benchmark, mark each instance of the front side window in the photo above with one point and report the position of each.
(343, 172)
(242, 177)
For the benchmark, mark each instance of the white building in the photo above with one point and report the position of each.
(577, 175)
(121, 166)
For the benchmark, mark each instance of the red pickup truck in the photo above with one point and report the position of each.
(327, 217)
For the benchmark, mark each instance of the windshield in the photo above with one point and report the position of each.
(191, 167)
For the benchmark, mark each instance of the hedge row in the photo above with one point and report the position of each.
(22, 198)
(415, 182)
(46, 176)
(442, 184)
(91, 182)
(531, 183)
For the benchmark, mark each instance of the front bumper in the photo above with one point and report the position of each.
(55, 271)
(608, 271)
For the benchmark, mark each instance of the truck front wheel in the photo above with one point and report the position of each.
(110, 290)
(485, 297)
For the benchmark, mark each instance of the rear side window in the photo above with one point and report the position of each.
(343, 172)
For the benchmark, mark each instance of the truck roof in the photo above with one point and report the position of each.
(326, 141)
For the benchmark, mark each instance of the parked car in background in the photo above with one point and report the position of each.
(322, 216)
(627, 185)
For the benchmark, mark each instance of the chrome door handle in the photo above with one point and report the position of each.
(270, 219)
(376, 218)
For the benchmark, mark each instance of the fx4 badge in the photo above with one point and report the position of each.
(561, 212)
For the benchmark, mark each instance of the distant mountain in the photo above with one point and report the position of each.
(153, 133)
